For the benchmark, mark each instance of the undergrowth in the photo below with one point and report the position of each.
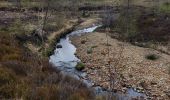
(29, 77)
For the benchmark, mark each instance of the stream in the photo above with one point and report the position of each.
(65, 60)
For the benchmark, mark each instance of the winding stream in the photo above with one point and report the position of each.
(64, 59)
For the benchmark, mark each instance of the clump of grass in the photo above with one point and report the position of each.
(80, 66)
(89, 50)
(152, 57)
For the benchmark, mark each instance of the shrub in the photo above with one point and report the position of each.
(152, 57)
(80, 66)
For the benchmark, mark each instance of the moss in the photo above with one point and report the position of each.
(80, 66)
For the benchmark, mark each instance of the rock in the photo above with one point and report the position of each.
(153, 83)
(59, 46)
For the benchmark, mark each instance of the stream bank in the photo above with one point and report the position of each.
(132, 67)
(64, 59)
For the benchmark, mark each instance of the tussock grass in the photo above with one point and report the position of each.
(80, 66)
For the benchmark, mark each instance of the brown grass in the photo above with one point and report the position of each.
(26, 76)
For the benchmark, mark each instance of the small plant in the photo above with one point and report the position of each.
(152, 57)
(80, 66)
(89, 50)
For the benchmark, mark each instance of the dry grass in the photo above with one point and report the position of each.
(26, 76)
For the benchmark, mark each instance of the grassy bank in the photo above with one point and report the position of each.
(24, 75)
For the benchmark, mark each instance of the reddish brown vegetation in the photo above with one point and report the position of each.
(24, 75)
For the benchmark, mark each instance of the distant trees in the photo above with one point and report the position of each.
(19, 3)
(126, 22)
(156, 6)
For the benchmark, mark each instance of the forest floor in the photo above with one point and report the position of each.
(129, 65)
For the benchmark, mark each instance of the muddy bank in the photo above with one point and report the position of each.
(130, 66)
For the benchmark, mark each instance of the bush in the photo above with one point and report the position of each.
(80, 66)
(152, 57)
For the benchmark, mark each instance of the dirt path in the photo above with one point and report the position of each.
(132, 67)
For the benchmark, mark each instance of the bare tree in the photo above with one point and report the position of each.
(46, 15)
(18, 3)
